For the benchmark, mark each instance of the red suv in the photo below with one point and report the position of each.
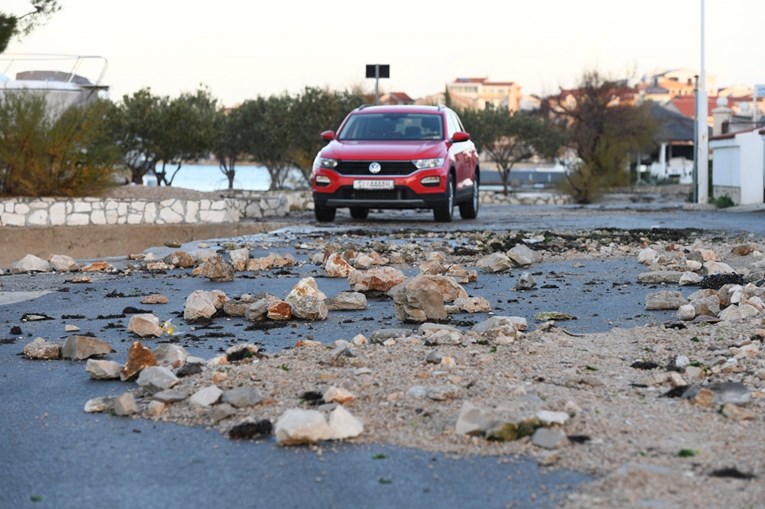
(397, 157)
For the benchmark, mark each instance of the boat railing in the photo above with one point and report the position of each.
(11, 60)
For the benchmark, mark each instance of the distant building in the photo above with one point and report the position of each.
(396, 98)
(480, 93)
(662, 86)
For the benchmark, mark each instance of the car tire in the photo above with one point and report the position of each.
(469, 209)
(324, 214)
(444, 212)
(359, 212)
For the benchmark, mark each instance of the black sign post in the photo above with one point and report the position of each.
(378, 71)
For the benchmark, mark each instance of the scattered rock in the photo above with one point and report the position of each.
(84, 347)
(743, 249)
(170, 356)
(524, 256)
(204, 398)
(139, 358)
(200, 305)
(307, 301)
(279, 310)
(347, 301)
(337, 266)
(660, 277)
(154, 298)
(239, 258)
(526, 282)
(39, 348)
(298, 427)
(375, 281)
(474, 420)
(124, 405)
(548, 418)
(154, 379)
(553, 315)
(664, 300)
(216, 269)
(97, 405)
(494, 263)
(686, 312)
(102, 370)
(180, 259)
(63, 263)
(144, 325)
(242, 397)
(337, 395)
(30, 263)
(549, 438)
(422, 297)
(342, 424)
(98, 267)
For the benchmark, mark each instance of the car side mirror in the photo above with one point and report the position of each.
(460, 136)
(328, 135)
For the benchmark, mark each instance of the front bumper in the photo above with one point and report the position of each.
(408, 191)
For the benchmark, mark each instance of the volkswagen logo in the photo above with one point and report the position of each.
(375, 168)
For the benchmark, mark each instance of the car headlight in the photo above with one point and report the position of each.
(431, 181)
(322, 180)
(436, 162)
(326, 162)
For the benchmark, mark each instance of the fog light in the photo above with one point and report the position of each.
(431, 181)
(322, 180)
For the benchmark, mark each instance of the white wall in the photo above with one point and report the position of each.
(739, 162)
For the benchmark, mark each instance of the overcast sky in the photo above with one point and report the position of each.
(244, 48)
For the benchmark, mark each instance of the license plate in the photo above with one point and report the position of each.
(372, 184)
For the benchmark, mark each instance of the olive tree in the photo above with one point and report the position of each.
(233, 132)
(137, 128)
(604, 126)
(270, 140)
(508, 138)
(186, 132)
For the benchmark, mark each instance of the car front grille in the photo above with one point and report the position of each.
(362, 168)
(400, 193)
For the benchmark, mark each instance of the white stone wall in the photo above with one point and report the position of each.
(234, 207)
(96, 211)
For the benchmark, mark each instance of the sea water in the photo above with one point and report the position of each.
(209, 177)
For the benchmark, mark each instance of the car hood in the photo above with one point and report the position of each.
(383, 150)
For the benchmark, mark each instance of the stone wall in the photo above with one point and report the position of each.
(732, 192)
(228, 207)
(123, 211)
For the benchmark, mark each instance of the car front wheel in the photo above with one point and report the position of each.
(444, 212)
(469, 209)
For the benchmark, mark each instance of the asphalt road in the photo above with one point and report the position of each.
(54, 455)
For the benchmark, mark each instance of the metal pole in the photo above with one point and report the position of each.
(703, 125)
(377, 84)
(696, 142)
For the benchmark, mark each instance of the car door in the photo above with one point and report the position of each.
(462, 153)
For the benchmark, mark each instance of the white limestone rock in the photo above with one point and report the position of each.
(298, 427)
(144, 325)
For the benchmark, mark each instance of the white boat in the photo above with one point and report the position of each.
(58, 77)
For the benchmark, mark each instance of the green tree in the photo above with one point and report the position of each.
(312, 111)
(70, 154)
(233, 132)
(186, 132)
(136, 124)
(270, 142)
(508, 138)
(604, 127)
(18, 25)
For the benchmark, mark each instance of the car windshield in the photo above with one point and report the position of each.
(392, 126)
